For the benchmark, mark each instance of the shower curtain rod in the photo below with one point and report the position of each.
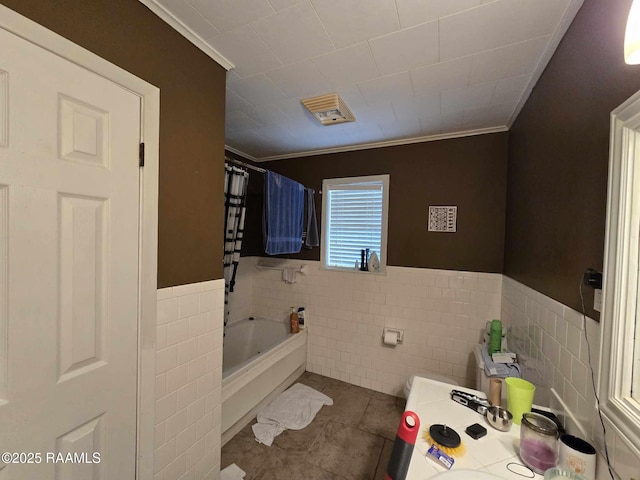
(246, 165)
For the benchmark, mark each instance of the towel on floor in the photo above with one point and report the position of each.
(283, 214)
(232, 472)
(311, 237)
(293, 409)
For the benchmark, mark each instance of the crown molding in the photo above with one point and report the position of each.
(241, 153)
(367, 146)
(187, 33)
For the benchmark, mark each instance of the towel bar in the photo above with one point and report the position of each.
(301, 269)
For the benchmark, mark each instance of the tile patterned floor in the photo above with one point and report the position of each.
(350, 440)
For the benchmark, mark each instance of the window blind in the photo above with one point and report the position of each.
(354, 222)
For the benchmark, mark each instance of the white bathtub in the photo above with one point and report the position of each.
(260, 360)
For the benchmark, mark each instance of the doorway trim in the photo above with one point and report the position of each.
(620, 315)
(148, 214)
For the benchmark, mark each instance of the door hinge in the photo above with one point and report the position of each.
(141, 154)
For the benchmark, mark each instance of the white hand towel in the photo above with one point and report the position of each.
(232, 472)
(288, 275)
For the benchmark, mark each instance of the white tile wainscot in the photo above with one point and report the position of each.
(442, 313)
(549, 339)
(188, 381)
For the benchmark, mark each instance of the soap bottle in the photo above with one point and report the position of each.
(495, 337)
(301, 318)
(294, 326)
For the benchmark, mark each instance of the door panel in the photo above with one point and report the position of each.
(83, 242)
(84, 132)
(85, 438)
(4, 265)
(4, 109)
(69, 189)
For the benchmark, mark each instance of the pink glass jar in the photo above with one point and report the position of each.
(539, 447)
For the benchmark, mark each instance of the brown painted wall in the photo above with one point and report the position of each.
(558, 156)
(468, 172)
(192, 91)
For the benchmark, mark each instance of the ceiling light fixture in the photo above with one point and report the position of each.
(632, 35)
(329, 109)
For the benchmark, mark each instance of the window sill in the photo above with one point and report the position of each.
(352, 270)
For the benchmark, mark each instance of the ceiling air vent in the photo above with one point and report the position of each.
(329, 109)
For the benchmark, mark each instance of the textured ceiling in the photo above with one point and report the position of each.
(409, 70)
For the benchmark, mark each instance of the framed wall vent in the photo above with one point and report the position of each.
(442, 218)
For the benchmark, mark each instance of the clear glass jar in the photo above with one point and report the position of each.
(539, 447)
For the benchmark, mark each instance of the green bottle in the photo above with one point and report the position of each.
(495, 336)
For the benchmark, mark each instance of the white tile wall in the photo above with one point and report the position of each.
(549, 338)
(442, 314)
(188, 381)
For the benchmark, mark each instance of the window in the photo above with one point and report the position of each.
(354, 217)
(620, 357)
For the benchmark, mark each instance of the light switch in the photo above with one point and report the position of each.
(597, 300)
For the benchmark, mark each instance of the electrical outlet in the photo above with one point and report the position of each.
(597, 300)
(592, 278)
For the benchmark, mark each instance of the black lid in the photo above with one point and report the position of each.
(445, 436)
(578, 444)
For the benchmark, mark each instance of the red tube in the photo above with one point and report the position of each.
(403, 446)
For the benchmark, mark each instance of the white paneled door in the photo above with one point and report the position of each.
(69, 206)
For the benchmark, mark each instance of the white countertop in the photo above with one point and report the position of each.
(432, 402)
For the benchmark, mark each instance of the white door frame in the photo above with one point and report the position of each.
(148, 226)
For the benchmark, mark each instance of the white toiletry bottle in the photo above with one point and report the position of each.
(301, 318)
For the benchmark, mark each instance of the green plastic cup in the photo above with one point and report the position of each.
(519, 397)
